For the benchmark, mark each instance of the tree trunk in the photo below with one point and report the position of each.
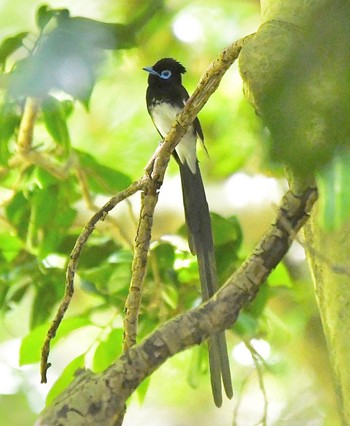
(327, 252)
(268, 65)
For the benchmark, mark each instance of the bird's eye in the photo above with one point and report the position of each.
(165, 74)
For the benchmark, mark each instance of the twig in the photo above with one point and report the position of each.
(256, 357)
(82, 179)
(26, 128)
(238, 401)
(142, 243)
(72, 266)
(335, 268)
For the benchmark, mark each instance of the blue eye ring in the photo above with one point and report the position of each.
(165, 74)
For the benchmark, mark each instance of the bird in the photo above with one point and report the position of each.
(165, 98)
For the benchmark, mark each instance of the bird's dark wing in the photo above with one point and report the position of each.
(196, 123)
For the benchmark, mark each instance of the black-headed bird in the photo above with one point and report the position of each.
(166, 97)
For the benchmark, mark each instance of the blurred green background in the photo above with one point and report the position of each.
(289, 374)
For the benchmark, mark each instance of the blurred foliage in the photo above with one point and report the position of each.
(311, 94)
(93, 137)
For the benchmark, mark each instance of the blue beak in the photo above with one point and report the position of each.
(150, 70)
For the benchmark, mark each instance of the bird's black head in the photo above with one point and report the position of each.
(165, 71)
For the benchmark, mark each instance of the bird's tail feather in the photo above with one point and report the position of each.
(201, 243)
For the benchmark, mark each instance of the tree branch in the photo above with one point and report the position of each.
(26, 128)
(142, 243)
(71, 269)
(93, 399)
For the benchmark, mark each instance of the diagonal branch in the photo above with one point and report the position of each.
(93, 399)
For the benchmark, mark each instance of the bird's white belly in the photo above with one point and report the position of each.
(163, 117)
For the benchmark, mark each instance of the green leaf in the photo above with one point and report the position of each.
(55, 121)
(107, 351)
(170, 296)
(165, 256)
(10, 45)
(195, 368)
(333, 184)
(9, 122)
(51, 216)
(112, 277)
(48, 293)
(257, 306)
(32, 343)
(15, 294)
(226, 230)
(102, 179)
(142, 389)
(10, 245)
(246, 325)
(280, 277)
(18, 211)
(45, 14)
(228, 239)
(95, 34)
(40, 179)
(65, 378)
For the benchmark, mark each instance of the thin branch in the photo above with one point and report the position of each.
(72, 266)
(258, 360)
(26, 128)
(100, 398)
(139, 266)
(335, 268)
(239, 399)
(87, 197)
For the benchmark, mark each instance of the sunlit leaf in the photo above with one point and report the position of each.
(164, 256)
(55, 122)
(142, 389)
(51, 216)
(195, 368)
(15, 294)
(48, 293)
(10, 45)
(32, 343)
(170, 295)
(18, 211)
(107, 351)
(45, 14)
(10, 245)
(102, 179)
(280, 277)
(333, 183)
(226, 230)
(65, 378)
(246, 325)
(9, 122)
